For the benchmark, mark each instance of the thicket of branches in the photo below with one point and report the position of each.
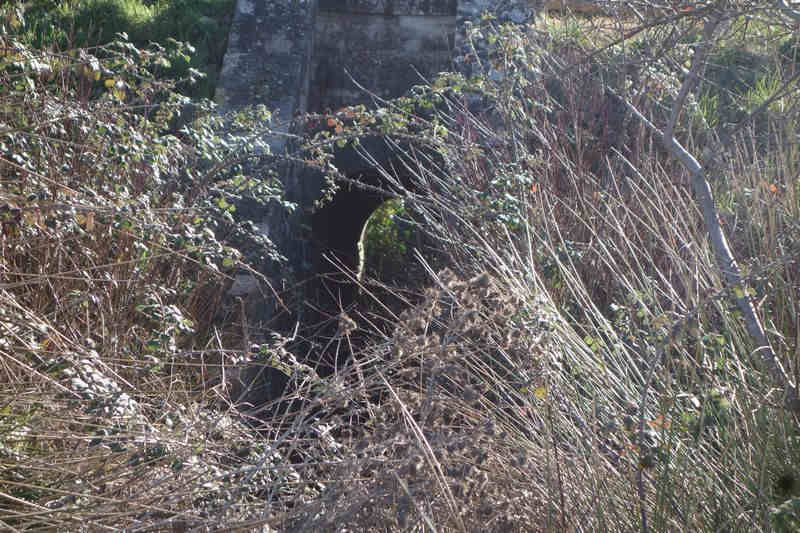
(611, 346)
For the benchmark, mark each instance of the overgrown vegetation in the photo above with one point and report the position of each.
(116, 254)
(583, 363)
(202, 25)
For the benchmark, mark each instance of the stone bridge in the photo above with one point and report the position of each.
(298, 56)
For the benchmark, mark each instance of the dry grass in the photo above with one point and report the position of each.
(577, 365)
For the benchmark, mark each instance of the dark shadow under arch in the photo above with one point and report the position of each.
(336, 228)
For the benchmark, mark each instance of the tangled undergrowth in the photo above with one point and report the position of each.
(578, 364)
(444, 398)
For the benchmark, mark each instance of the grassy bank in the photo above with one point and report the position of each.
(203, 24)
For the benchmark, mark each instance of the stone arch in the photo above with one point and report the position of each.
(296, 57)
(336, 229)
(383, 46)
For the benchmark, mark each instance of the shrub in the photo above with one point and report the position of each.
(201, 24)
(115, 258)
(577, 366)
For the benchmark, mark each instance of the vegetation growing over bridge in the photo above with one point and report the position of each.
(576, 349)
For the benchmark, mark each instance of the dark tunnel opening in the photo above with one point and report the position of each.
(336, 228)
(390, 270)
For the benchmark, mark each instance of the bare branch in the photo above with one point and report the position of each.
(723, 255)
(788, 11)
(692, 77)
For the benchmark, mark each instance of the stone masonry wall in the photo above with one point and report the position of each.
(391, 7)
(386, 54)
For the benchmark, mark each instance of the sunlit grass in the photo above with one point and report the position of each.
(201, 23)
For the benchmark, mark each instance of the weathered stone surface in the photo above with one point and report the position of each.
(267, 62)
(269, 47)
(383, 54)
(391, 7)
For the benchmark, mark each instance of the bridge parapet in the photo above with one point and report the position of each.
(391, 7)
(383, 46)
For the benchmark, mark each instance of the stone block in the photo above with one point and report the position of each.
(391, 7)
